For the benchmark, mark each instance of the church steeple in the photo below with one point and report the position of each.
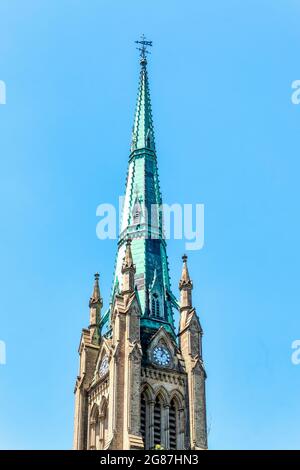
(140, 385)
(142, 218)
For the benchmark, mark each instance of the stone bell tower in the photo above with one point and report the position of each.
(141, 383)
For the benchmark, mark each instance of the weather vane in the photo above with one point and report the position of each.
(143, 47)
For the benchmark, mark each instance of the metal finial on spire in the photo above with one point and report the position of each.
(143, 49)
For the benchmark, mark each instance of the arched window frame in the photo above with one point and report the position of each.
(137, 212)
(158, 430)
(156, 305)
(94, 427)
(173, 424)
(178, 404)
(148, 396)
(103, 423)
(158, 409)
(161, 409)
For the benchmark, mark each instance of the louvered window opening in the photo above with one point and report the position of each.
(173, 426)
(157, 422)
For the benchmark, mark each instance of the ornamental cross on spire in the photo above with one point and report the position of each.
(144, 44)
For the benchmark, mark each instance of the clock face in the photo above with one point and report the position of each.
(103, 366)
(161, 356)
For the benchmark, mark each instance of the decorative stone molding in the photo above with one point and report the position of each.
(162, 376)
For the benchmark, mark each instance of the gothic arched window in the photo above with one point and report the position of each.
(173, 424)
(155, 306)
(136, 216)
(94, 428)
(103, 425)
(145, 418)
(157, 421)
(136, 212)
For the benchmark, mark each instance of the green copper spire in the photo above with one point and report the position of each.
(142, 220)
(142, 133)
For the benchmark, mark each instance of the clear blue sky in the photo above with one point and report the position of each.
(227, 136)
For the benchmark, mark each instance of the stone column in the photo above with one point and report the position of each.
(180, 429)
(92, 434)
(165, 427)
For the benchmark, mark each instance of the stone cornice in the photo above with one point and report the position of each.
(177, 378)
